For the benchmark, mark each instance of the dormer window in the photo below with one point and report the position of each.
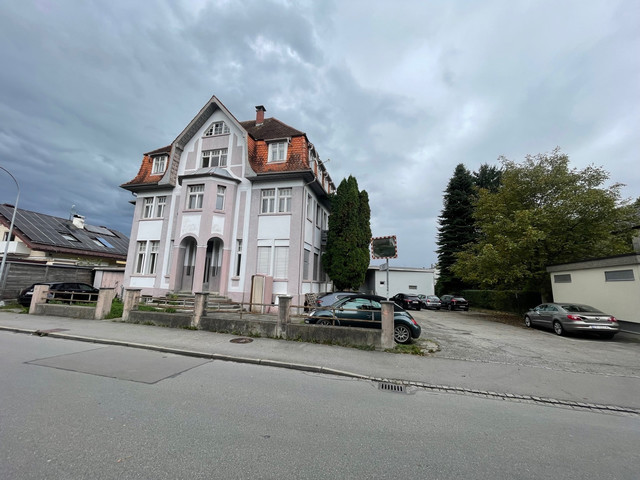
(159, 165)
(214, 158)
(217, 128)
(278, 151)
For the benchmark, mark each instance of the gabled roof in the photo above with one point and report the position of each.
(270, 129)
(45, 232)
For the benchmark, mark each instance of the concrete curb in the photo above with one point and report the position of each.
(610, 409)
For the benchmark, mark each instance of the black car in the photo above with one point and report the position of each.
(453, 302)
(366, 311)
(63, 291)
(407, 301)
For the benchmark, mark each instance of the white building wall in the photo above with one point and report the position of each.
(621, 298)
(416, 281)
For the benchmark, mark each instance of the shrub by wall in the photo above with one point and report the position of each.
(503, 300)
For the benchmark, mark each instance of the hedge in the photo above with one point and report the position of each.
(503, 300)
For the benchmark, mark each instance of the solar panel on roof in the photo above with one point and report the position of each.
(100, 230)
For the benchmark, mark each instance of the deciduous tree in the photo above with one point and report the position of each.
(544, 213)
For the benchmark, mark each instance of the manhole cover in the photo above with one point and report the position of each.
(241, 340)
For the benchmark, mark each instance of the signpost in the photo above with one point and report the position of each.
(384, 247)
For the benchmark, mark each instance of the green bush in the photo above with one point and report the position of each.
(116, 309)
(503, 300)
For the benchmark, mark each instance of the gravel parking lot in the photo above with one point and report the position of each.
(484, 337)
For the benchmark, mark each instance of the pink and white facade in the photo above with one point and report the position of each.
(228, 207)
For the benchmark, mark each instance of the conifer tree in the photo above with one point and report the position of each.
(346, 257)
(456, 228)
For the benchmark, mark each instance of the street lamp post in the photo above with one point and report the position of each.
(6, 245)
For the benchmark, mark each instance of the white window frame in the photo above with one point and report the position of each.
(625, 275)
(152, 263)
(281, 262)
(238, 256)
(221, 192)
(141, 257)
(305, 264)
(159, 165)
(147, 207)
(268, 200)
(278, 151)
(147, 253)
(214, 158)
(309, 207)
(284, 199)
(195, 197)
(217, 128)
(263, 263)
(161, 202)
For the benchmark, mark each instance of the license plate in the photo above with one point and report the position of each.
(600, 327)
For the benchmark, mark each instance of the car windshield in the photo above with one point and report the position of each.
(572, 307)
(433, 297)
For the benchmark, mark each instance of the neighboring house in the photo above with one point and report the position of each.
(610, 284)
(235, 208)
(51, 240)
(418, 281)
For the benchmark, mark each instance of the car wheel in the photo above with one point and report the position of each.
(324, 321)
(418, 308)
(401, 334)
(527, 321)
(558, 328)
(437, 308)
(466, 309)
(450, 307)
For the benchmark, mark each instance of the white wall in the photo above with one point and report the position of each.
(400, 281)
(588, 286)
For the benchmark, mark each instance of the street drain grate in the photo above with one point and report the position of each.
(391, 387)
(241, 340)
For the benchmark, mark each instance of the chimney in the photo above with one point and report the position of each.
(260, 114)
(78, 221)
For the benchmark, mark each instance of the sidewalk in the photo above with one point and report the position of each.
(484, 379)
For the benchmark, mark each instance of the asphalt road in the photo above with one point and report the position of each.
(74, 410)
(472, 336)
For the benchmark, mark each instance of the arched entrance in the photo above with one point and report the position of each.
(187, 264)
(212, 267)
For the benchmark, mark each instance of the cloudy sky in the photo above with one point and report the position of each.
(394, 93)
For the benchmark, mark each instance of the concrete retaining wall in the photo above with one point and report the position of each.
(336, 335)
(70, 311)
(173, 320)
(256, 326)
(236, 326)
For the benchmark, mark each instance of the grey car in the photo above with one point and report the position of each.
(566, 317)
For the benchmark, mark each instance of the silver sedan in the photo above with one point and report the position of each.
(572, 317)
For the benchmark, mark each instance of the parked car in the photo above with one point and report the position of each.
(64, 291)
(430, 301)
(366, 311)
(572, 317)
(328, 299)
(452, 302)
(407, 301)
